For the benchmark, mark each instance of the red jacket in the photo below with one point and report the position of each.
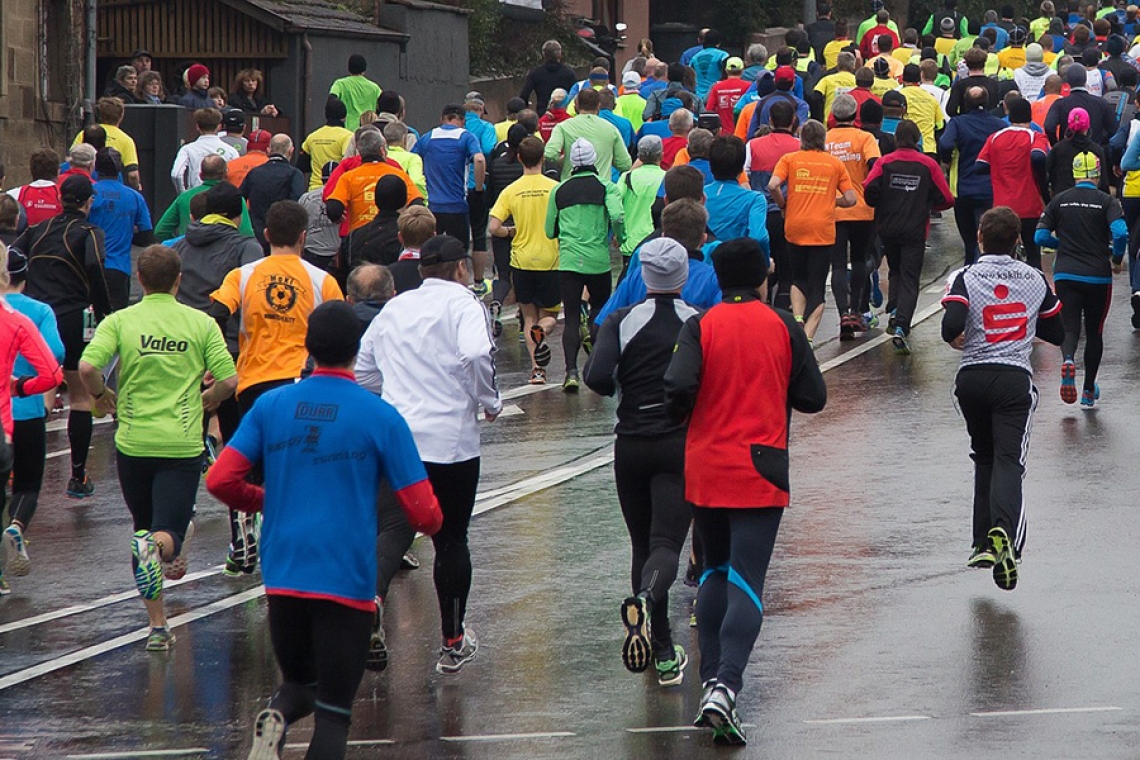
(737, 373)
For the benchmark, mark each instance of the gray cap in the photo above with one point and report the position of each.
(844, 107)
(1075, 75)
(650, 146)
(664, 265)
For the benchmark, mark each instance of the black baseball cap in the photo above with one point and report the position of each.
(76, 190)
(442, 249)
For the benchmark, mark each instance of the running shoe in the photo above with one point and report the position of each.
(496, 322)
(671, 672)
(636, 651)
(210, 445)
(870, 320)
(693, 615)
(584, 330)
(570, 384)
(1089, 398)
(538, 376)
(268, 735)
(707, 689)
(692, 575)
(159, 640)
(719, 711)
(453, 658)
(409, 562)
(17, 550)
(377, 643)
(175, 569)
(5, 589)
(981, 557)
(57, 406)
(902, 346)
(541, 347)
(1005, 562)
(80, 489)
(876, 291)
(243, 553)
(1136, 310)
(848, 325)
(481, 288)
(1069, 382)
(147, 565)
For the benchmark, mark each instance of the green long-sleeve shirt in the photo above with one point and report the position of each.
(638, 190)
(605, 138)
(177, 217)
(580, 213)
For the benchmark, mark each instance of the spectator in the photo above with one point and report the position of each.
(275, 180)
(248, 94)
(356, 91)
(150, 90)
(124, 85)
(142, 61)
(543, 80)
(197, 88)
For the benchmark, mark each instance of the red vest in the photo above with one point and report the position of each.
(40, 203)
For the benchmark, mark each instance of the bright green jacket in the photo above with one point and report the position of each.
(177, 217)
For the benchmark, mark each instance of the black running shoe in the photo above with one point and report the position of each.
(1136, 310)
(80, 489)
(377, 643)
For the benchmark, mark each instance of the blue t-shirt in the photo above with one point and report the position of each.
(446, 151)
(484, 132)
(707, 65)
(325, 444)
(649, 85)
(119, 210)
(41, 315)
(687, 56)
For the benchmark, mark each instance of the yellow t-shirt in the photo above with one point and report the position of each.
(501, 129)
(832, 85)
(831, 53)
(274, 297)
(882, 86)
(525, 200)
(120, 141)
(944, 45)
(324, 145)
(903, 54)
(924, 111)
(896, 66)
(1012, 58)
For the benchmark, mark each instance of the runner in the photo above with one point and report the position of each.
(325, 144)
(29, 431)
(994, 387)
(1084, 224)
(633, 350)
(274, 298)
(65, 271)
(321, 603)
(121, 212)
(432, 356)
(185, 173)
(760, 159)
(356, 91)
(446, 151)
(737, 370)
(165, 350)
(581, 213)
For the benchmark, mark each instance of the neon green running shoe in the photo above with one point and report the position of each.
(1005, 562)
(147, 565)
(671, 672)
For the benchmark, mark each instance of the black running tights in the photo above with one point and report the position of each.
(1087, 303)
(455, 486)
(738, 547)
(321, 647)
(29, 444)
(571, 284)
(858, 237)
(649, 473)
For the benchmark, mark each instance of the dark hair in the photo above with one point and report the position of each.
(864, 77)
(453, 110)
(781, 115)
(840, 27)
(44, 164)
(159, 268)
(1020, 111)
(225, 199)
(712, 38)
(530, 152)
(912, 73)
(390, 193)
(200, 205)
(886, 43)
(676, 72)
(726, 157)
(685, 221)
(9, 212)
(388, 102)
(606, 99)
(871, 112)
(1128, 77)
(684, 182)
(95, 136)
(285, 222)
(999, 228)
(975, 59)
(357, 64)
(588, 100)
(335, 109)
(907, 135)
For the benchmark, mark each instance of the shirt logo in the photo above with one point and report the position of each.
(1005, 321)
(152, 345)
(316, 412)
(281, 292)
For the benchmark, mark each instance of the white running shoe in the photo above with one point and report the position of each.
(268, 731)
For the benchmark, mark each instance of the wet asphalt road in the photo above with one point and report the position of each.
(877, 641)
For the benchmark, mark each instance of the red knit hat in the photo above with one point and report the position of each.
(196, 72)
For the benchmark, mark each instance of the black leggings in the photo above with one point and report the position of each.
(394, 537)
(779, 283)
(571, 283)
(810, 264)
(160, 493)
(968, 216)
(455, 486)
(905, 258)
(649, 473)
(1088, 303)
(501, 287)
(29, 444)
(738, 547)
(1028, 244)
(858, 237)
(321, 647)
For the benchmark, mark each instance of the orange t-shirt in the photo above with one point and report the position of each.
(243, 165)
(745, 120)
(356, 190)
(813, 178)
(274, 297)
(1041, 109)
(854, 148)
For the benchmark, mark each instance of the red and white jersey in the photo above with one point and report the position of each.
(40, 200)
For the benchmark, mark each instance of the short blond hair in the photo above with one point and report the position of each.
(416, 225)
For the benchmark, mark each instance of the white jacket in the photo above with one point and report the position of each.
(430, 354)
(188, 162)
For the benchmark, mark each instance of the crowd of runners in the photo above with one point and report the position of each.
(318, 323)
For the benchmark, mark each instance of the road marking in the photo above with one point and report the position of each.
(674, 729)
(106, 601)
(878, 340)
(526, 390)
(508, 737)
(884, 719)
(1044, 711)
(54, 427)
(351, 743)
(27, 674)
(140, 753)
(499, 497)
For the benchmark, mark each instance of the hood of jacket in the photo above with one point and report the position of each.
(1036, 69)
(201, 235)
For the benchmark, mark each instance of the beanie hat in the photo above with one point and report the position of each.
(391, 193)
(1078, 120)
(196, 72)
(843, 108)
(1115, 45)
(1017, 36)
(1020, 111)
(333, 335)
(740, 263)
(1034, 53)
(871, 112)
(225, 199)
(1075, 76)
(582, 153)
(1086, 166)
(664, 265)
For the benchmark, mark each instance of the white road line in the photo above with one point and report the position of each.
(1044, 711)
(884, 719)
(27, 674)
(140, 753)
(106, 601)
(54, 427)
(878, 340)
(351, 743)
(508, 737)
(527, 390)
(499, 497)
(673, 729)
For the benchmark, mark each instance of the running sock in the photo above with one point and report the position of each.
(79, 425)
(454, 643)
